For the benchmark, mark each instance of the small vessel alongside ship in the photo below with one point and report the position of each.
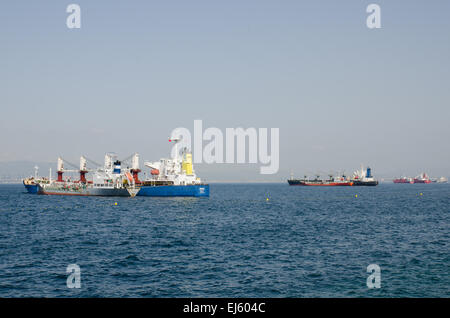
(32, 183)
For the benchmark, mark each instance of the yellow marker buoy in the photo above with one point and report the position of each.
(421, 193)
(115, 203)
(267, 199)
(356, 195)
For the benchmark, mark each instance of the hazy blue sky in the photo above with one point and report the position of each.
(340, 93)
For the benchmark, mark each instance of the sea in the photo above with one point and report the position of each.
(245, 240)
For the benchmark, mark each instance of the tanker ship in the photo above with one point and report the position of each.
(332, 181)
(172, 177)
(403, 180)
(110, 180)
(422, 178)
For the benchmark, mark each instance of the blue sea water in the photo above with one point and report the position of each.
(302, 242)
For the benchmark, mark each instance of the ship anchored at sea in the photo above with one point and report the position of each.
(361, 177)
(317, 181)
(169, 177)
(421, 178)
(109, 180)
(173, 176)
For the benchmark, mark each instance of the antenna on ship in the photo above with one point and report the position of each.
(176, 141)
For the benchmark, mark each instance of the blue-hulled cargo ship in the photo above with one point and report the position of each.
(172, 177)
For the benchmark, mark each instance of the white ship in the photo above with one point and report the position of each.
(110, 180)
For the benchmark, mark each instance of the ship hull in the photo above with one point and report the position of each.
(84, 192)
(403, 181)
(365, 183)
(422, 181)
(32, 188)
(319, 184)
(175, 191)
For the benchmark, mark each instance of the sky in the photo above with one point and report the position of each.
(340, 93)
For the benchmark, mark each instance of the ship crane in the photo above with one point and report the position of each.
(81, 169)
(61, 170)
(134, 166)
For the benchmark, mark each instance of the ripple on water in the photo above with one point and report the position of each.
(304, 242)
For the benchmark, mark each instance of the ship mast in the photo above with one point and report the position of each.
(176, 140)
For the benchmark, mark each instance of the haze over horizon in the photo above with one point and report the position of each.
(341, 94)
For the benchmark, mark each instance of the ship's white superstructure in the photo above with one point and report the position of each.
(364, 175)
(109, 180)
(177, 171)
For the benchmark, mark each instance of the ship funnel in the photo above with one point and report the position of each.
(60, 167)
(186, 165)
(369, 173)
(117, 167)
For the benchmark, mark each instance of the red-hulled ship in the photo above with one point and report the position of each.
(403, 180)
(422, 178)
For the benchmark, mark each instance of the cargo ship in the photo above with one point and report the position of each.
(173, 177)
(403, 180)
(364, 177)
(110, 180)
(331, 182)
(422, 178)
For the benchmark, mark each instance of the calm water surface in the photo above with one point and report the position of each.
(303, 242)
